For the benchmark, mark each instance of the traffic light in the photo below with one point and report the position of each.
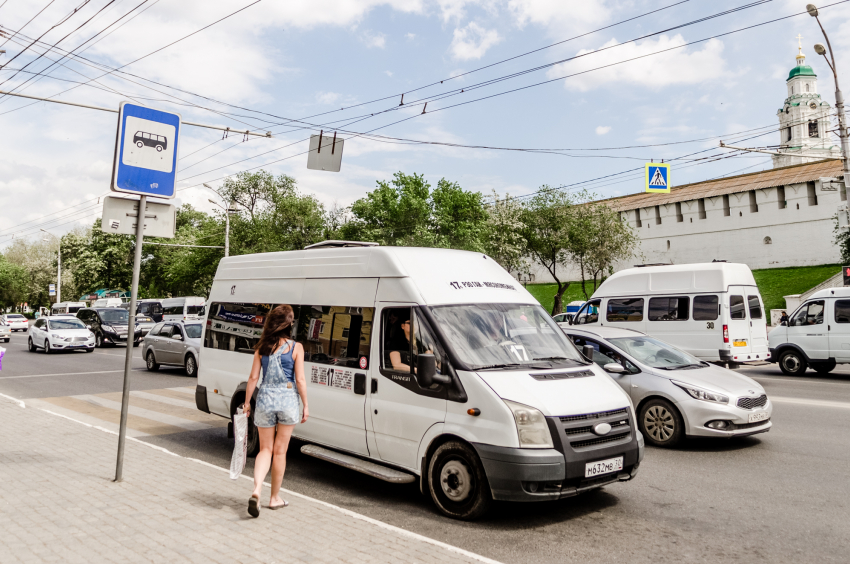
(846, 271)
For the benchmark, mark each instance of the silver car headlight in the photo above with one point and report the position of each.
(702, 394)
(531, 426)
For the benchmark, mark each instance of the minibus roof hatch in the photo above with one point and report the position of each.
(335, 243)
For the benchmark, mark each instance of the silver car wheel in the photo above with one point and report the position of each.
(659, 423)
(455, 480)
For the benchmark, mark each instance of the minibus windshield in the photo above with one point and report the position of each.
(657, 354)
(505, 336)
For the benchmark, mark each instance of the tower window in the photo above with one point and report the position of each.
(657, 215)
(768, 241)
(727, 211)
(813, 128)
(807, 87)
(792, 89)
(787, 134)
(679, 217)
(813, 195)
(668, 244)
(701, 208)
(780, 197)
(637, 218)
(754, 206)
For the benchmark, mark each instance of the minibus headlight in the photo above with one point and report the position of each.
(701, 394)
(531, 426)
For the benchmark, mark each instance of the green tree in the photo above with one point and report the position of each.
(38, 259)
(459, 217)
(98, 259)
(842, 239)
(504, 239)
(547, 220)
(598, 239)
(13, 283)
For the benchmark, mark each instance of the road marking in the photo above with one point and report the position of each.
(91, 418)
(183, 390)
(348, 512)
(16, 400)
(171, 420)
(164, 399)
(815, 403)
(66, 374)
(797, 380)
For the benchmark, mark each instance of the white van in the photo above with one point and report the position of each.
(183, 309)
(817, 334)
(712, 310)
(490, 401)
(67, 307)
(108, 302)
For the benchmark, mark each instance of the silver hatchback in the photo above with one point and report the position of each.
(173, 343)
(675, 394)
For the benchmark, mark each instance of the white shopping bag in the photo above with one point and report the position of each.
(240, 444)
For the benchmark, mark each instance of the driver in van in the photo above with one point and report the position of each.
(399, 342)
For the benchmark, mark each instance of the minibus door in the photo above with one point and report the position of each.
(838, 313)
(758, 323)
(739, 324)
(401, 410)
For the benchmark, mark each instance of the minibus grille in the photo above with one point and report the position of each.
(562, 375)
(592, 416)
(752, 403)
(578, 429)
(599, 441)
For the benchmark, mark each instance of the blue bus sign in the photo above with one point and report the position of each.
(146, 151)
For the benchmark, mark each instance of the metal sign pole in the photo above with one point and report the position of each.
(131, 335)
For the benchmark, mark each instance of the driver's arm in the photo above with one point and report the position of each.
(395, 359)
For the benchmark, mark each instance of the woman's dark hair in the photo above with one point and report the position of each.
(278, 324)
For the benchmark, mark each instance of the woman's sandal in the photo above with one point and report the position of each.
(254, 506)
(282, 505)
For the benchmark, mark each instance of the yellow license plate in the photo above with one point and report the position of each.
(740, 343)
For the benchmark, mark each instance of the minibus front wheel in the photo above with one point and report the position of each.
(457, 481)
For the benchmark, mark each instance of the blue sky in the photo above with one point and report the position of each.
(297, 59)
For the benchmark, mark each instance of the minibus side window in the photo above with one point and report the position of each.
(626, 309)
(810, 314)
(338, 335)
(234, 326)
(755, 307)
(396, 350)
(404, 337)
(842, 311)
(669, 309)
(589, 313)
(736, 307)
(706, 308)
(174, 310)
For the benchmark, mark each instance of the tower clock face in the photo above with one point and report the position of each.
(813, 106)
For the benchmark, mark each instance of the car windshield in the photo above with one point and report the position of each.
(193, 331)
(69, 323)
(505, 335)
(656, 354)
(114, 315)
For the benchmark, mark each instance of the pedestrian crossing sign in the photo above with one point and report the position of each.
(657, 177)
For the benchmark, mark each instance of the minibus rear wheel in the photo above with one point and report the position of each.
(457, 481)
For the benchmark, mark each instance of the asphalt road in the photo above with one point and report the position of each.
(783, 496)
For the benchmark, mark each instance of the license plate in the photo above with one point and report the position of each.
(592, 469)
(740, 343)
(758, 416)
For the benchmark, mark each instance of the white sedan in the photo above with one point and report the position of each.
(60, 333)
(16, 321)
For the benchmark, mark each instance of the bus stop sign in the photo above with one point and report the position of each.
(146, 151)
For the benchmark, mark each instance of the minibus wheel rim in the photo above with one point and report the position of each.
(455, 480)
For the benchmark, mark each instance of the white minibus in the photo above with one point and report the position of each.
(67, 307)
(183, 309)
(108, 302)
(712, 310)
(424, 365)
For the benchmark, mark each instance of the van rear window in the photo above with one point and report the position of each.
(626, 309)
(755, 307)
(706, 308)
(669, 309)
(174, 310)
(736, 307)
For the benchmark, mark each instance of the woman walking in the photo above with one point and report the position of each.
(277, 410)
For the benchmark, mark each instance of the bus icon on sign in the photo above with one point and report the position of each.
(142, 139)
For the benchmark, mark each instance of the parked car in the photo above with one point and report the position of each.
(109, 325)
(173, 343)
(675, 394)
(817, 335)
(5, 331)
(183, 309)
(57, 333)
(16, 321)
(711, 310)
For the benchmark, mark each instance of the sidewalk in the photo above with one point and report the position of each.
(58, 503)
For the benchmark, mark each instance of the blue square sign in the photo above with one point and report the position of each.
(657, 177)
(146, 151)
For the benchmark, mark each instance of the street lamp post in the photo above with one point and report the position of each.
(58, 267)
(227, 211)
(839, 97)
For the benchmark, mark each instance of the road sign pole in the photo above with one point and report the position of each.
(131, 335)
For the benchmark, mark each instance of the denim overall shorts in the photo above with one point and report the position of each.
(277, 400)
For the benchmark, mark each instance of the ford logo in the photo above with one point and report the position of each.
(602, 429)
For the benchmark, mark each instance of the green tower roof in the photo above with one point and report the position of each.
(801, 70)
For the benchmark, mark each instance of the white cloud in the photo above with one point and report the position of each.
(678, 66)
(559, 16)
(327, 97)
(378, 40)
(603, 129)
(410, 36)
(388, 73)
(473, 41)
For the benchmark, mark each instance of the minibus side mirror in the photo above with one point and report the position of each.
(614, 368)
(426, 371)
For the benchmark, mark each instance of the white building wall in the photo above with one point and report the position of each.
(801, 234)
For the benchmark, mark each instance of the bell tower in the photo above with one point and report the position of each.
(804, 119)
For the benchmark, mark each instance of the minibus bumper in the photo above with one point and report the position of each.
(518, 474)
